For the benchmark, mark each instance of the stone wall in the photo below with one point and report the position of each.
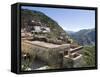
(78, 62)
(52, 56)
(67, 62)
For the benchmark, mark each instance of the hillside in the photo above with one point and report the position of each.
(31, 18)
(84, 37)
(89, 56)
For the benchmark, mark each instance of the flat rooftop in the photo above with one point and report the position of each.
(45, 44)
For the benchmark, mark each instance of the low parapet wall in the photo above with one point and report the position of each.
(72, 50)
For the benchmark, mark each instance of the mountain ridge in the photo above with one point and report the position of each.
(84, 36)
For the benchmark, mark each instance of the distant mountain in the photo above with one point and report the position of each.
(84, 37)
(70, 32)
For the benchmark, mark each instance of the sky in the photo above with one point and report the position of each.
(68, 19)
